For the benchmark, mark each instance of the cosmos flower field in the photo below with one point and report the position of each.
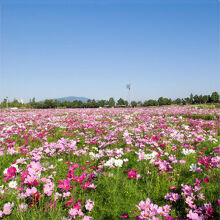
(141, 163)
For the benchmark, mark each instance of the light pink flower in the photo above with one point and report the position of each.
(182, 161)
(23, 207)
(193, 216)
(89, 205)
(73, 212)
(7, 208)
(87, 217)
(66, 194)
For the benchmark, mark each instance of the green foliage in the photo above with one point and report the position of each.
(215, 97)
(111, 102)
(133, 104)
(121, 102)
(92, 103)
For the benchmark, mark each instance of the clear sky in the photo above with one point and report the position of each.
(93, 48)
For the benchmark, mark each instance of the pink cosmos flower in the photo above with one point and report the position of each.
(132, 173)
(77, 205)
(24, 175)
(30, 180)
(170, 218)
(36, 166)
(22, 195)
(189, 201)
(23, 207)
(86, 185)
(187, 190)
(197, 188)
(78, 179)
(48, 189)
(201, 196)
(30, 191)
(7, 208)
(206, 180)
(125, 215)
(69, 202)
(80, 213)
(193, 216)
(166, 209)
(64, 184)
(198, 182)
(87, 217)
(138, 176)
(73, 212)
(145, 214)
(209, 209)
(10, 173)
(92, 186)
(173, 188)
(89, 205)
(182, 161)
(172, 196)
(66, 194)
(57, 195)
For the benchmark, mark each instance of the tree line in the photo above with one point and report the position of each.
(92, 103)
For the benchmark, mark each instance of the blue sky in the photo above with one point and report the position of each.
(52, 49)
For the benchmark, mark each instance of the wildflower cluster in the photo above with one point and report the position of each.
(100, 163)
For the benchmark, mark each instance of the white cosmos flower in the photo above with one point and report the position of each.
(12, 184)
(126, 134)
(186, 127)
(15, 166)
(118, 163)
(193, 167)
(187, 151)
(110, 174)
(1, 189)
(5, 171)
(110, 162)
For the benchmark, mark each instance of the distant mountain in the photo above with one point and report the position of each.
(72, 98)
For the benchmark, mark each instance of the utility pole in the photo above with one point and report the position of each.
(7, 102)
(128, 86)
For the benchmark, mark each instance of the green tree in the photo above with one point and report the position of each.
(177, 101)
(205, 99)
(215, 97)
(48, 103)
(191, 99)
(139, 103)
(183, 101)
(161, 101)
(133, 104)
(126, 103)
(111, 102)
(200, 99)
(121, 102)
(195, 99)
(4, 103)
(150, 102)
(187, 100)
(101, 103)
(15, 103)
